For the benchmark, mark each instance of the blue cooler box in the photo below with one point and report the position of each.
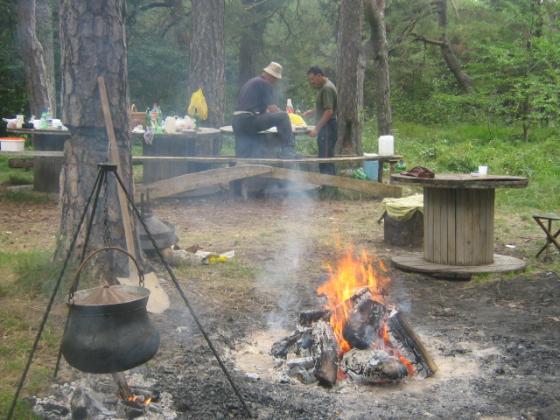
(371, 168)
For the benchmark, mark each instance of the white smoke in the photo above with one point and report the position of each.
(280, 274)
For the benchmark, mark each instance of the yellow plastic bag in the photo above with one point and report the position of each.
(297, 120)
(197, 106)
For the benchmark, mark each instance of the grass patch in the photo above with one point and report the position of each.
(33, 272)
(26, 278)
(14, 176)
(20, 179)
(462, 147)
(24, 197)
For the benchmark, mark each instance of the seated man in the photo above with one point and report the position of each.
(256, 112)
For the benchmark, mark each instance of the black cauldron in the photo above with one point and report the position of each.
(108, 327)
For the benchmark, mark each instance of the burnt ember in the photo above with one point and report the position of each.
(97, 397)
(383, 346)
(373, 366)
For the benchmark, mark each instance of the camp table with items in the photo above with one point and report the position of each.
(198, 142)
(459, 225)
(46, 169)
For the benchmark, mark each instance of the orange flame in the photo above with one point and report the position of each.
(139, 400)
(350, 274)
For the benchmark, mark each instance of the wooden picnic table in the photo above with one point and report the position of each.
(459, 224)
(269, 138)
(199, 142)
(46, 170)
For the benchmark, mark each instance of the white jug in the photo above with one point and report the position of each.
(386, 145)
(170, 125)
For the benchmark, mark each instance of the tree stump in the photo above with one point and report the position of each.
(409, 233)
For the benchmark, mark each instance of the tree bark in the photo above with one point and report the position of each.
(44, 15)
(252, 41)
(37, 80)
(350, 69)
(375, 12)
(448, 54)
(93, 43)
(207, 62)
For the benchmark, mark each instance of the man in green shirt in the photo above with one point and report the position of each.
(325, 116)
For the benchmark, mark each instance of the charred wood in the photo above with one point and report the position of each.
(401, 331)
(282, 347)
(362, 327)
(325, 352)
(373, 366)
(303, 362)
(307, 318)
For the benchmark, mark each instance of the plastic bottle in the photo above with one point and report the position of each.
(44, 124)
(147, 121)
(289, 107)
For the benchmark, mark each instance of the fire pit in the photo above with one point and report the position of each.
(358, 334)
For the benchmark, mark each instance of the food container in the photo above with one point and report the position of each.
(170, 125)
(386, 145)
(108, 328)
(12, 144)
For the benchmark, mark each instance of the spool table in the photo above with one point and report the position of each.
(459, 225)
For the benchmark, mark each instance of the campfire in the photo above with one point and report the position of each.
(358, 334)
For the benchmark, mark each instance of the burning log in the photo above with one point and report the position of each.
(373, 366)
(307, 318)
(409, 343)
(364, 323)
(325, 352)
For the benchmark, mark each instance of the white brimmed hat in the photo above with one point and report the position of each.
(274, 69)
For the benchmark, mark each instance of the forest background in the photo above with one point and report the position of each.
(506, 115)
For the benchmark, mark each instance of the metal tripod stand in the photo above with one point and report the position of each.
(102, 177)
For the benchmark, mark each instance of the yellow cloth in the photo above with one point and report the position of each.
(403, 208)
(198, 106)
(297, 120)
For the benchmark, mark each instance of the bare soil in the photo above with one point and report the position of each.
(496, 339)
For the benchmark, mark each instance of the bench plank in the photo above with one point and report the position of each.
(196, 180)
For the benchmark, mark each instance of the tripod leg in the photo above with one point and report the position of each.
(51, 301)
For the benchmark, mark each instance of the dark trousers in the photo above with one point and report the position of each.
(246, 127)
(326, 141)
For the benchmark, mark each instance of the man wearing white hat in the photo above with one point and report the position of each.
(257, 112)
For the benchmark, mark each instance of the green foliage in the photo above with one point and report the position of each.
(462, 147)
(12, 82)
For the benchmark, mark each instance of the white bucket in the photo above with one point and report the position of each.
(386, 145)
(12, 144)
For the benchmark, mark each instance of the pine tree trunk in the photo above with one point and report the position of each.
(93, 43)
(251, 41)
(350, 70)
(207, 61)
(375, 12)
(44, 15)
(37, 81)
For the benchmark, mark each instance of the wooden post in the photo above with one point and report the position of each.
(115, 158)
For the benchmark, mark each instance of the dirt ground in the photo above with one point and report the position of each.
(496, 339)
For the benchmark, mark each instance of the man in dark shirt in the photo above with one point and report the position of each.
(257, 112)
(325, 116)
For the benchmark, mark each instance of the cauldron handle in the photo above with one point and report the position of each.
(94, 253)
